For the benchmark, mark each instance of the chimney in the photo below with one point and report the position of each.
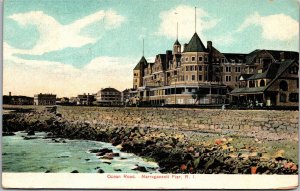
(169, 52)
(209, 45)
(282, 56)
(168, 55)
(184, 46)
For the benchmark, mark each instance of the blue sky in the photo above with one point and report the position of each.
(69, 47)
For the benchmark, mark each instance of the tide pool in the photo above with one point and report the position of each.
(55, 155)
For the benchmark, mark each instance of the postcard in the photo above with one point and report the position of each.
(198, 94)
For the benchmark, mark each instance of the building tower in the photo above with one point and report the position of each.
(138, 71)
(177, 45)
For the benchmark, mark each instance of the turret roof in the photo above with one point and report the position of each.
(143, 61)
(195, 45)
(177, 42)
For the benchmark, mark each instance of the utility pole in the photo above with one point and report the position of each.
(143, 47)
(195, 19)
(177, 32)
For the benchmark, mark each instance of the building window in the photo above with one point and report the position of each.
(193, 77)
(237, 69)
(223, 60)
(200, 77)
(200, 58)
(228, 78)
(186, 68)
(193, 58)
(200, 68)
(227, 69)
(205, 78)
(294, 70)
(294, 97)
(205, 59)
(206, 68)
(282, 97)
(283, 86)
(236, 79)
(262, 83)
(191, 68)
(186, 59)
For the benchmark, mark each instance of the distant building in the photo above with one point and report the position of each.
(125, 95)
(64, 100)
(58, 101)
(17, 100)
(73, 100)
(44, 99)
(85, 99)
(109, 97)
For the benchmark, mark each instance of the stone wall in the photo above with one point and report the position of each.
(212, 120)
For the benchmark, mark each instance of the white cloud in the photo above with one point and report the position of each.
(274, 27)
(24, 77)
(185, 16)
(150, 59)
(224, 40)
(56, 36)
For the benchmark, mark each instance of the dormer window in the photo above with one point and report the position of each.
(186, 59)
(200, 58)
(193, 58)
(293, 70)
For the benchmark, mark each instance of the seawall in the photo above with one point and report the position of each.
(261, 123)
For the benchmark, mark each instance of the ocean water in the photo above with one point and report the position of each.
(41, 155)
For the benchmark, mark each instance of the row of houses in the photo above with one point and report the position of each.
(105, 97)
(203, 75)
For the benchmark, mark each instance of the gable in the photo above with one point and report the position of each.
(291, 71)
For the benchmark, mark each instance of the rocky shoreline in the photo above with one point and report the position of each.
(173, 150)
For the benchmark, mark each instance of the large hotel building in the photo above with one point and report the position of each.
(199, 74)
